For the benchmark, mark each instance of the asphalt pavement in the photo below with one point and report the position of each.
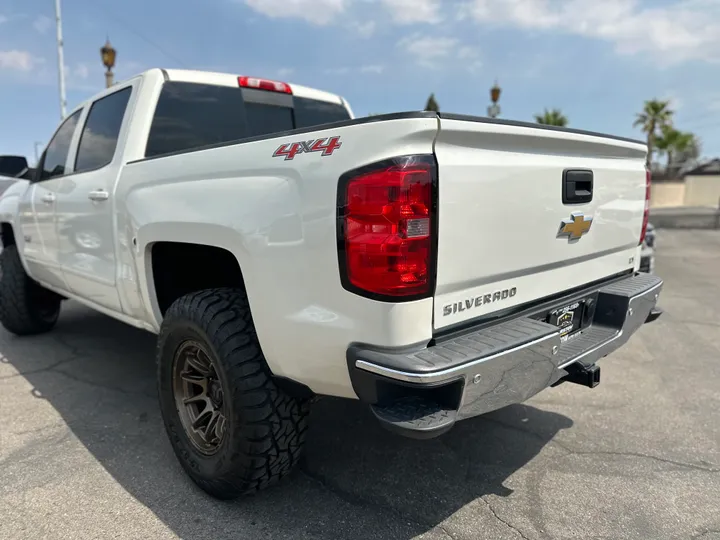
(83, 452)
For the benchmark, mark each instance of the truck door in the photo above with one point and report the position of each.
(37, 219)
(86, 247)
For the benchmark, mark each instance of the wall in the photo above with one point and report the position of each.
(664, 194)
(702, 190)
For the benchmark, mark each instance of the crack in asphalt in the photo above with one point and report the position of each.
(701, 323)
(638, 455)
(501, 520)
(103, 386)
(705, 532)
(75, 354)
(51, 367)
(358, 500)
(711, 468)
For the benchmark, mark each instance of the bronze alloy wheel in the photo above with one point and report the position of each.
(233, 429)
(199, 397)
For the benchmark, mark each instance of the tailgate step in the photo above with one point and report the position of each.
(415, 416)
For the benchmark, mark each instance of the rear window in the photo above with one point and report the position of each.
(264, 119)
(311, 112)
(191, 115)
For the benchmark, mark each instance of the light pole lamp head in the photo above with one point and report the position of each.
(495, 93)
(107, 53)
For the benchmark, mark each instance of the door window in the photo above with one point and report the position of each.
(56, 154)
(99, 137)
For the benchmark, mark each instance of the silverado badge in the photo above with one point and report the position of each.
(576, 226)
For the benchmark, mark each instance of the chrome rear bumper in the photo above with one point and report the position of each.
(422, 393)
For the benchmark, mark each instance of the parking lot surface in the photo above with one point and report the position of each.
(83, 452)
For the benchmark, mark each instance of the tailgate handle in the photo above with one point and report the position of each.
(577, 186)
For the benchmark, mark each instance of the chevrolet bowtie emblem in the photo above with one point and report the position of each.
(576, 226)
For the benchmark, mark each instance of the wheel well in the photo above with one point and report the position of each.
(180, 268)
(7, 235)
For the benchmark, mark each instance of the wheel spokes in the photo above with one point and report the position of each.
(211, 434)
(199, 362)
(199, 397)
(195, 399)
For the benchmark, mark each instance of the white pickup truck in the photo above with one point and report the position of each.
(433, 266)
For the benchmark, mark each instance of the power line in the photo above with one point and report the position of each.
(704, 116)
(706, 125)
(128, 27)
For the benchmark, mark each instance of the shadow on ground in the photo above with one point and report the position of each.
(356, 481)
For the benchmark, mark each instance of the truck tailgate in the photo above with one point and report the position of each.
(502, 240)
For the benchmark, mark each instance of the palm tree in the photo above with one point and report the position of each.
(552, 117)
(677, 144)
(431, 104)
(656, 115)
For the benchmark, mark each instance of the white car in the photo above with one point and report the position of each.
(433, 266)
(647, 255)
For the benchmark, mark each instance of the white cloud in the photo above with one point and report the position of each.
(467, 52)
(322, 12)
(370, 68)
(19, 60)
(374, 68)
(284, 72)
(413, 11)
(671, 31)
(432, 52)
(81, 71)
(685, 30)
(337, 71)
(366, 29)
(428, 50)
(318, 12)
(3, 19)
(42, 24)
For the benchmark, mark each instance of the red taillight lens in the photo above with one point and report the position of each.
(386, 228)
(264, 84)
(646, 214)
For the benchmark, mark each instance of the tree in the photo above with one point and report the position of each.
(679, 146)
(553, 117)
(432, 105)
(655, 116)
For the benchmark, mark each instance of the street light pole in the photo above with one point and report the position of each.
(494, 109)
(61, 61)
(108, 54)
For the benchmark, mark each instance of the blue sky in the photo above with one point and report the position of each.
(597, 60)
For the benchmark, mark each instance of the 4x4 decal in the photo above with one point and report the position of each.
(327, 146)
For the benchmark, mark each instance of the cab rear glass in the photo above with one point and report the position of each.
(191, 115)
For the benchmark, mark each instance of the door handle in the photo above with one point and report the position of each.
(577, 186)
(98, 195)
(48, 198)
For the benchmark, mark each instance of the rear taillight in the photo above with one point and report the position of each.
(646, 213)
(264, 84)
(386, 228)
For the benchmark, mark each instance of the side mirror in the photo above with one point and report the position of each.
(13, 166)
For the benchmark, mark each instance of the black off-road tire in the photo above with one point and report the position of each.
(265, 427)
(26, 307)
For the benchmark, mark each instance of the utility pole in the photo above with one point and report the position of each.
(38, 144)
(61, 61)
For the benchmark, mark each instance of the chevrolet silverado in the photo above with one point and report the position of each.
(433, 266)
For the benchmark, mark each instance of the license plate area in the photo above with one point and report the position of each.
(569, 319)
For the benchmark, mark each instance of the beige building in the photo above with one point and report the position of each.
(698, 187)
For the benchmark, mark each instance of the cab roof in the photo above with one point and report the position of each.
(229, 79)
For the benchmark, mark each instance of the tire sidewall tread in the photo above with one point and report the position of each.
(20, 312)
(265, 427)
